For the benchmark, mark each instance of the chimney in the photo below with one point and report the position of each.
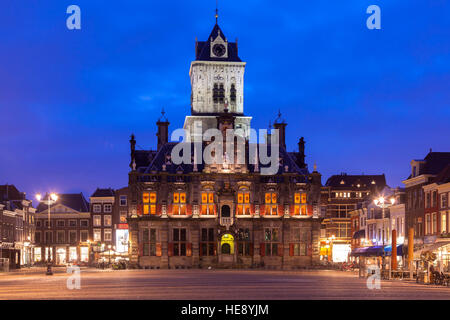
(280, 125)
(163, 130)
(301, 151)
(132, 148)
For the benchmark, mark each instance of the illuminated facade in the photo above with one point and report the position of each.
(228, 214)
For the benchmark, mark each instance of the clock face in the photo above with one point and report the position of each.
(219, 50)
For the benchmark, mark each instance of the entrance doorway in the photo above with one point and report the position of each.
(60, 256)
(227, 244)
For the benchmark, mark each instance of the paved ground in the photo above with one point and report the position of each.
(208, 284)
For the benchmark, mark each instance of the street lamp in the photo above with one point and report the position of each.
(383, 204)
(51, 199)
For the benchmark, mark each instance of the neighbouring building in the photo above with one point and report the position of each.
(109, 210)
(102, 209)
(339, 196)
(63, 234)
(422, 173)
(437, 213)
(17, 225)
(223, 214)
(372, 226)
(120, 221)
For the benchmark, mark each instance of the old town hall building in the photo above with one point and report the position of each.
(229, 215)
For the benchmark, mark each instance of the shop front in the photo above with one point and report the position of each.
(436, 255)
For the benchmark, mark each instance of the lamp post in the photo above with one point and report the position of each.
(51, 199)
(383, 204)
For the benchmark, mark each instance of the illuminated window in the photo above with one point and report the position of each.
(207, 203)
(123, 216)
(179, 203)
(243, 199)
(271, 204)
(149, 200)
(299, 204)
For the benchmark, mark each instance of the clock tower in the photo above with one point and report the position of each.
(217, 82)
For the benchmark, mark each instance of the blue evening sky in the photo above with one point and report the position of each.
(366, 101)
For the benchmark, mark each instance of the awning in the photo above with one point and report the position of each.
(359, 234)
(388, 250)
(431, 247)
(373, 251)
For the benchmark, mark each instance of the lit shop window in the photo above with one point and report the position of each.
(271, 204)
(179, 203)
(149, 200)
(300, 204)
(207, 203)
(243, 207)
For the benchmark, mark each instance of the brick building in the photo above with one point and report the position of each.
(422, 173)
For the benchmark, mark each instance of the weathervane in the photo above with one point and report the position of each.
(217, 10)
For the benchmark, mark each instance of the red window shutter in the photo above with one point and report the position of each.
(309, 250)
(252, 209)
(189, 209)
(310, 210)
(188, 249)
(158, 209)
(291, 210)
(215, 250)
(251, 249)
(200, 251)
(141, 250)
(291, 249)
(262, 249)
(170, 249)
(262, 210)
(139, 209)
(280, 250)
(158, 250)
(169, 209)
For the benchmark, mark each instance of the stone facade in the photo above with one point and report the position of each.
(226, 215)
